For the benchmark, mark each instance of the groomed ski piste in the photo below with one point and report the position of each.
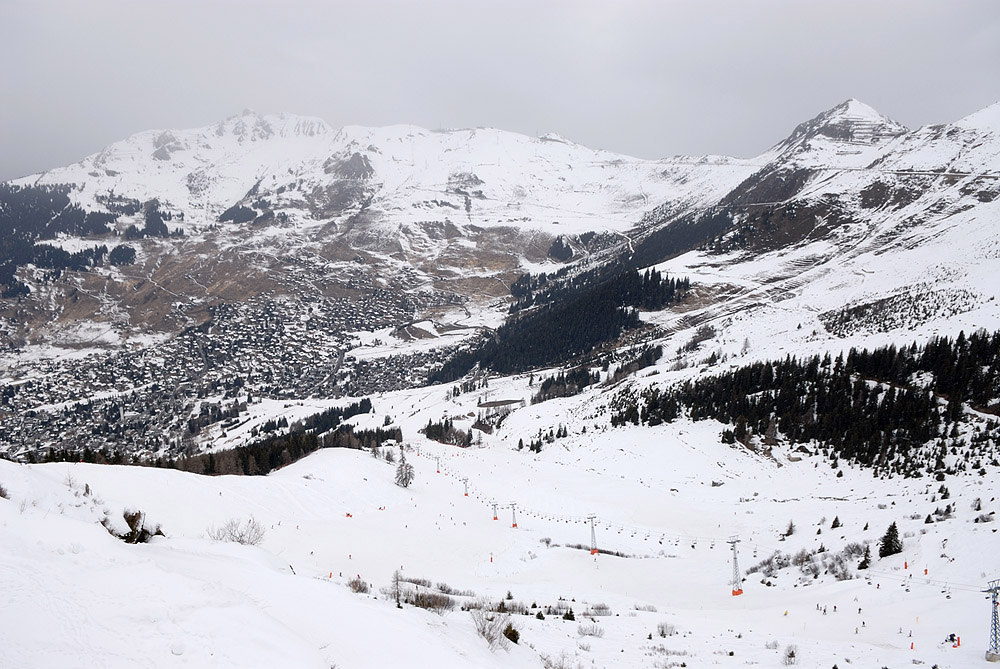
(666, 500)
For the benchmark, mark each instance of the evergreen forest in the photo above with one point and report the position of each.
(566, 320)
(875, 408)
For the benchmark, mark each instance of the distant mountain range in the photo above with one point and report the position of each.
(342, 248)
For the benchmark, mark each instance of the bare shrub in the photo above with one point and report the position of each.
(560, 662)
(791, 655)
(772, 644)
(446, 589)
(416, 581)
(590, 630)
(249, 533)
(3, 492)
(701, 335)
(431, 601)
(599, 609)
(853, 550)
(649, 608)
(801, 558)
(490, 625)
(663, 650)
(666, 629)
(356, 584)
(510, 606)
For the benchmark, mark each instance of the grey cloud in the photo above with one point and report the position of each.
(648, 78)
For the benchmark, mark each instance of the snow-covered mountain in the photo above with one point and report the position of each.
(314, 260)
(319, 263)
(855, 226)
(397, 175)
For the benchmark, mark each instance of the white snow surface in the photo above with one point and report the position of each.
(668, 497)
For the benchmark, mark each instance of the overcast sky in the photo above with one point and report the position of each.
(648, 78)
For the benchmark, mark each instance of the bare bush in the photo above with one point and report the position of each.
(771, 645)
(599, 609)
(357, 585)
(666, 629)
(590, 630)
(510, 606)
(791, 656)
(490, 625)
(446, 589)
(663, 650)
(649, 608)
(3, 492)
(432, 601)
(249, 533)
(561, 662)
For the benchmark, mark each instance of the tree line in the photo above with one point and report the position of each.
(32, 214)
(649, 290)
(566, 321)
(867, 408)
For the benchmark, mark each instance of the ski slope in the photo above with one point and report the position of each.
(78, 597)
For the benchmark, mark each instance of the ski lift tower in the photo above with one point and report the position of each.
(993, 654)
(593, 535)
(737, 581)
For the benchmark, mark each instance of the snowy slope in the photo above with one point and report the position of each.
(77, 597)
(855, 231)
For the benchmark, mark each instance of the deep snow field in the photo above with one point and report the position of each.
(667, 497)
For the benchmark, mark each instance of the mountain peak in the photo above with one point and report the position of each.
(855, 109)
(249, 125)
(849, 121)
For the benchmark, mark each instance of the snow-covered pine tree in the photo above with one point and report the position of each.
(866, 559)
(404, 472)
(890, 544)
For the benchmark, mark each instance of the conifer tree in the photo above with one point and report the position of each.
(866, 559)
(890, 543)
(404, 472)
